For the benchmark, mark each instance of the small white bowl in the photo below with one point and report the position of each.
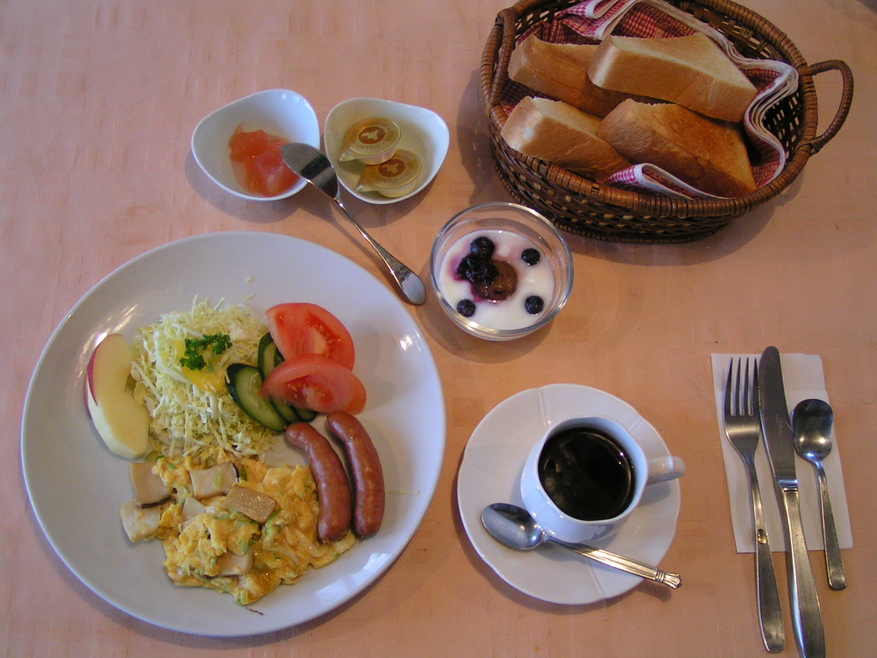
(424, 133)
(276, 111)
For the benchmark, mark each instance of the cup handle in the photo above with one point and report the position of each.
(662, 469)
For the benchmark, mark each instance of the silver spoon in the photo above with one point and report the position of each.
(309, 163)
(514, 527)
(811, 423)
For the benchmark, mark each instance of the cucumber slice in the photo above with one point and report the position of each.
(244, 384)
(289, 414)
(305, 415)
(269, 358)
(269, 355)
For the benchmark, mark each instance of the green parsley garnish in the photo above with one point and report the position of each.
(202, 352)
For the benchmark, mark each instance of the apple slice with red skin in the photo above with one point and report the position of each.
(121, 422)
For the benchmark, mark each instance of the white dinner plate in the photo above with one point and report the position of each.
(491, 473)
(76, 485)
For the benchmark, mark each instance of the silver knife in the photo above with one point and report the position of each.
(778, 439)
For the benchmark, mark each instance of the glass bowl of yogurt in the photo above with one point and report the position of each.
(501, 271)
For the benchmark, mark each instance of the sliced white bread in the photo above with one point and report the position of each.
(561, 72)
(557, 132)
(706, 153)
(691, 71)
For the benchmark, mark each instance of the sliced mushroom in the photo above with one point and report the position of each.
(140, 523)
(213, 481)
(149, 489)
(251, 503)
(235, 565)
(191, 509)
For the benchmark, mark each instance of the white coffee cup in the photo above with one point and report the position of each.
(593, 521)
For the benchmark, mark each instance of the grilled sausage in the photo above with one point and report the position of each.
(332, 485)
(365, 467)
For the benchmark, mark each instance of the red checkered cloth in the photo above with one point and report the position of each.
(589, 21)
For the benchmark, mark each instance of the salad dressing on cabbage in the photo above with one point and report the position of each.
(189, 404)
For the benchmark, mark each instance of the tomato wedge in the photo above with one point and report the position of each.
(299, 328)
(316, 382)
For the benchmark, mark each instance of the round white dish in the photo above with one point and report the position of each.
(490, 472)
(424, 133)
(279, 112)
(76, 485)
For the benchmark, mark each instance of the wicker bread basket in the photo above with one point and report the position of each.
(585, 207)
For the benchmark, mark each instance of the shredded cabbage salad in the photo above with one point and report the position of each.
(184, 417)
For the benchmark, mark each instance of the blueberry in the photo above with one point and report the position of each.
(466, 308)
(476, 269)
(483, 247)
(467, 266)
(533, 304)
(484, 272)
(531, 256)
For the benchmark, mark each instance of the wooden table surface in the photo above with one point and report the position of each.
(98, 100)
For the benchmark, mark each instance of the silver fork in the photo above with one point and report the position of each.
(743, 428)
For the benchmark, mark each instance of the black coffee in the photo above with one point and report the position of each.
(587, 474)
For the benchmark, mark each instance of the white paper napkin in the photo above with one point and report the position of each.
(803, 379)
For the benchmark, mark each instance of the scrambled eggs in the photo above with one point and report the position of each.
(208, 545)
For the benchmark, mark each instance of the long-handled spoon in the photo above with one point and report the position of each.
(309, 163)
(811, 423)
(513, 526)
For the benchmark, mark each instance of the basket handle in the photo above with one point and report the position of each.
(506, 18)
(845, 102)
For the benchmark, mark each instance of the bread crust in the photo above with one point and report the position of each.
(561, 72)
(691, 71)
(705, 153)
(557, 132)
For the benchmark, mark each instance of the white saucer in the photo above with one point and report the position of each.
(490, 473)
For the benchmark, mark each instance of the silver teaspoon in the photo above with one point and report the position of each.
(309, 163)
(514, 527)
(811, 423)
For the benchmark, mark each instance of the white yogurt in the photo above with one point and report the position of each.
(533, 280)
